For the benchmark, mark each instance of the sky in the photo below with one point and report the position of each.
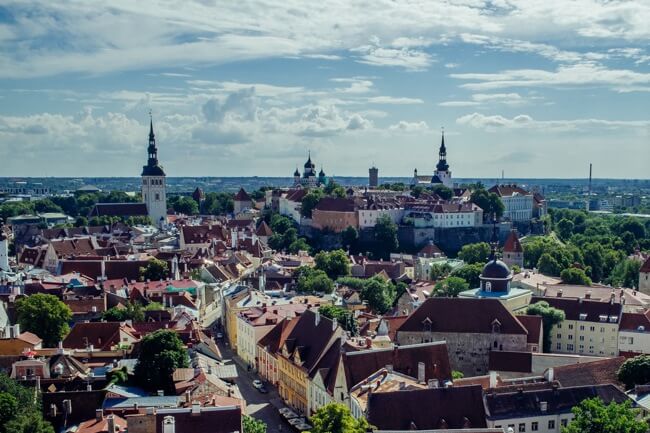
(245, 88)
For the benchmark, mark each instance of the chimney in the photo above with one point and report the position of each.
(549, 375)
(89, 386)
(188, 397)
(402, 386)
(421, 373)
(334, 324)
(317, 317)
(543, 406)
(196, 408)
(99, 415)
(59, 348)
(169, 424)
(433, 383)
(559, 293)
(110, 424)
(493, 379)
(588, 294)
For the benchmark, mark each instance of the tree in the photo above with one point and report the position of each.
(334, 263)
(548, 265)
(455, 374)
(45, 316)
(161, 352)
(439, 271)
(186, 205)
(46, 205)
(442, 191)
(635, 371)
(8, 408)
(311, 280)
(626, 273)
(594, 255)
(488, 201)
(280, 224)
(20, 412)
(309, 202)
(475, 253)
(336, 418)
(550, 317)
(31, 422)
(594, 416)
(385, 237)
(565, 228)
(450, 287)
(252, 425)
(131, 311)
(470, 273)
(218, 203)
(81, 221)
(298, 245)
(156, 270)
(575, 276)
(378, 293)
(349, 238)
(344, 317)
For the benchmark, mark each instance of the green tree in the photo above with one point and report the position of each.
(575, 276)
(310, 280)
(470, 273)
(45, 316)
(349, 238)
(439, 271)
(298, 245)
(333, 189)
(20, 412)
(280, 224)
(565, 228)
(218, 203)
(489, 202)
(378, 293)
(548, 265)
(635, 371)
(131, 311)
(450, 287)
(118, 375)
(336, 418)
(625, 273)
(81, 221)
(186, 205)
(253, 425)
(155, 270)
(161, 352)
(455, 374)
(8, 409)
(31, 422)
(475, 253)
(385, 237)
(46, 205)
(417, 190)
(309, 202)
(344, 317)
(442, 191)
(594, 255)
(594, 416)
(550, 317)
(334, 263)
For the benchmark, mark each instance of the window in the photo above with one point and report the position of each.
(571, 326)
(569, 347)
(559, 326)
(602, 329)
(592, 328)
(534, 426)
(551, 424)
(558, 346)
(564, 422)
(522, 427)
(559, 336)
(582, 338)
(582, 327)
(570, 336)
(157, 196)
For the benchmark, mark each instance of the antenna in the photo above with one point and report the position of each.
(589, 189)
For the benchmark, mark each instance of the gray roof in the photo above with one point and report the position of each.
(151, 401)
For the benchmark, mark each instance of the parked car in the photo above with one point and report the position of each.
(287, 413)
(258, 384)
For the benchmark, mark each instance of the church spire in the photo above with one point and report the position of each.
(442, 155)
(152, 168)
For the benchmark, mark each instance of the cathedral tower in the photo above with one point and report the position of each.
(154, 192)
(442, 173)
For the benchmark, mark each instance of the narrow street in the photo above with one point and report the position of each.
(261, 406)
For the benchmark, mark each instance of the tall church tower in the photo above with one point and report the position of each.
(442, 169)
(154, 192)
(4, 249)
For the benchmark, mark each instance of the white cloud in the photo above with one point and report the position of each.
(458, 103)
(403, 125)
(405, 57)
(488, 98)
(524, 121)
(391, 100)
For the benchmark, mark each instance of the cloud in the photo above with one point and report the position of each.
(241, 103)
(524, 121)
(488, 98)
(405, 57)
(403, 125)
(391, 100)
(458, 103)
(355, 85)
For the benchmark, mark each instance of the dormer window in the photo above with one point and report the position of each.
(496, 326)
(488, 286)
(426, 325)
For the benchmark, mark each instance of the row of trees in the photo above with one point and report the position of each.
(215, 203)
(285, 235)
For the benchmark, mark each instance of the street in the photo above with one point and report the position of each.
(261, 406)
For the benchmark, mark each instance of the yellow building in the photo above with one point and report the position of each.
(308, 341)
(590, 326)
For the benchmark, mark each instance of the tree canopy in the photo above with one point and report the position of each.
(470, 273)
(155, 270)
(550, 317)
(450, 287)
(475, 253)
(594, 416)
(161, 352)
(311, 280)
(253, 425)
(20, 412)
(336, 418)
(575, 276)
(385, 237)
(131, 311)
(343, 316)
(635, 371)
(45, 316)
(334, 263)
(310, 200)
(488, 201)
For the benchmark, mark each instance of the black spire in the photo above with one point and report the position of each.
(495, 239)
(152, 168)
(442, 155)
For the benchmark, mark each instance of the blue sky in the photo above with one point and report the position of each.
(242, 88)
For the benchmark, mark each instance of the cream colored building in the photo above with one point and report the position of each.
(590, 327)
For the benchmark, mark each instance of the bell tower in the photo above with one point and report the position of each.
(442, 169)
(154, 189)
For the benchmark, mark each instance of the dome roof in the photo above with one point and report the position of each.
(495, 269)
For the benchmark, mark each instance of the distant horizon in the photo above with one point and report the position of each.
(17, 178)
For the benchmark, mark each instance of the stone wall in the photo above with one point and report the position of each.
(468, 352)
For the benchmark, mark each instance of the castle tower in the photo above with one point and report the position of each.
(4, 249)
(154, 190)
(442, 173)
(373, 177)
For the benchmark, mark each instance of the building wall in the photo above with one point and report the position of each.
(588, 338)
(293, 384)
(644, 282)
(518, 207)
(267, 366)
(634, 341)
(154, 195)
(4, 255)
(368, 217)
(551, 423)
(468, 352)
(247, 338)
(335, 221)
(290, 209)
(512, 258)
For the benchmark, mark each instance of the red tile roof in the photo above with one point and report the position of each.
(119, 209)
(646, 266)
(463, 315)
(94, 426)
(533, 325)
(242, 195)
(508, 190)
(264, 230)
(512, 244)
(633, 321)
(336, 204)
(590, 373)
(102, 335)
